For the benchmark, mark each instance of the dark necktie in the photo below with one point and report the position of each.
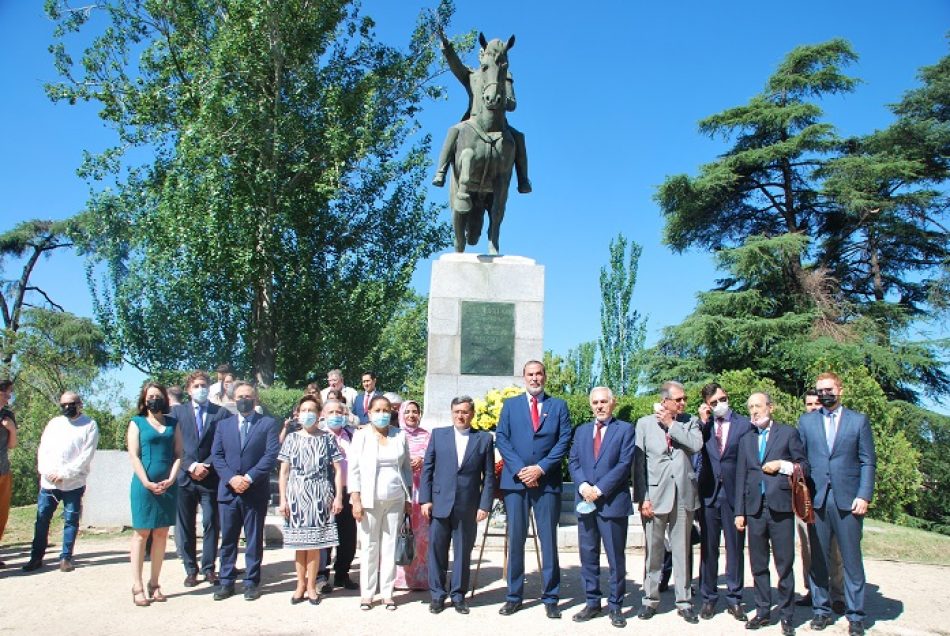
(598, 431)
(199, 420)
(245, 425)
(535, 417)
(719, 422)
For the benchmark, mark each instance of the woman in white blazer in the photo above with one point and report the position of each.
(379, 482)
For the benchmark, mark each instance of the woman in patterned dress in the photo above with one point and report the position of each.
(415, 576)
(311, 494)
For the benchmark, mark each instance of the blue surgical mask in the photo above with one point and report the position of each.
(380, 420)
(307, 419)
(200, 395)
(335, 422)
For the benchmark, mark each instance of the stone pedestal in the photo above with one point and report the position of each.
(487, 291)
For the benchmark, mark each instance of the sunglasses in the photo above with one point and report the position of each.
(679, 400)
(724, 400)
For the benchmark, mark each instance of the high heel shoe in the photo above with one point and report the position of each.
(155, 593)
(143, 602)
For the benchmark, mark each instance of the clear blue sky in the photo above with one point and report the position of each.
(609, 94)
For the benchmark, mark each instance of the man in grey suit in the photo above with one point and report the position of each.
(664, 485)
(840, 451)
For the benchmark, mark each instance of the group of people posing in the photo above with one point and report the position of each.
(359, 467)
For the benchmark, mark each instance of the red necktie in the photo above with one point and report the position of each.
(598, 431)
(719, 423)
(366, 402)
(535, 418)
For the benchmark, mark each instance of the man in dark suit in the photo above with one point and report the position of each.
(722, 428)
(455, 490)
(197, 482)
(600, 463)
(840, 450)
(764, 504)
(533, 435)
(363, 398)
(244, 454)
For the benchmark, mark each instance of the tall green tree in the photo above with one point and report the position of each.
(280, 210)
(623, 329)
(581, 363)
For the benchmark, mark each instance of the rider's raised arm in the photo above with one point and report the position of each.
(461, 72)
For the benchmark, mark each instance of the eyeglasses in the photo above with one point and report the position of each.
(724, 400)
(679, 400)
(825, 391)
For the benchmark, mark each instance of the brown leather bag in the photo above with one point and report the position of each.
(801, 498)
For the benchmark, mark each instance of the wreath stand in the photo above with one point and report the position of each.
(488, 532)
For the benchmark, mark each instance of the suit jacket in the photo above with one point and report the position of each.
(361, 464)
(255, 459)
(197, 449)
(521, 446)
(782, 443)
(717, 474)
(660, 472)
(357, 407)
(850, 466)
(610, 471)
(448, 486)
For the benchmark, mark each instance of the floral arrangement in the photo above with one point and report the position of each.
(488, 411)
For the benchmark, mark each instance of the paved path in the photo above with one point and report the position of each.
(904, 599)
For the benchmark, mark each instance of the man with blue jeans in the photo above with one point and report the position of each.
(63, 459)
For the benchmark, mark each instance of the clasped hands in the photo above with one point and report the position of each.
(200, 472)
(589, 493)
(159, 487)
(529, 476)
(239, 484)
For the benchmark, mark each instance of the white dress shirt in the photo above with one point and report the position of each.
(461, 442)
(66, 450)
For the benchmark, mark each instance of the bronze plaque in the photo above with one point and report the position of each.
(488, 338)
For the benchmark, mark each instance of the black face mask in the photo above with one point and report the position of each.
(70, 411)
(828, 400)
(245, 406)
(155, 405)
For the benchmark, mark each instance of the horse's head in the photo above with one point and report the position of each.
(493, 68)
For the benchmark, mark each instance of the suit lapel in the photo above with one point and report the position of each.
(608, 435)
(208, 418)
(469, 448)
(770, 442)
(251, 428)
(843, 422)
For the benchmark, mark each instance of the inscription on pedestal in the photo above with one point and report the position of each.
(488, 338)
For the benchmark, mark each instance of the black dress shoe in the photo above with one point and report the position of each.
(737, 612)
(461, 607)
(33, 565)
(252, 593)
(646, 613)
(617, 619)
(804, 601)
(223, 592)
(344, 581)
(436, 607)
(510, 607)
(688, 615)
(708, 611)
(787, 628)
(191, 580)
(211, 577)
(324, 586)
(820, 621)
(759, 620)
(839, 608)
(586, 614)
(297, 600)
(855, 628)
(551, 610)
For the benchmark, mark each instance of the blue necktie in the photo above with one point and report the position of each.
(244, 426)
(763, 439)
(199, 420)
(831, 431)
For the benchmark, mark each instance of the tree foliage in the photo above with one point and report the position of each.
(623, 329)
(279, 212)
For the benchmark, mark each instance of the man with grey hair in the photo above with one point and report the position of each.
(455, 490)
(335, 382)
(664, 485)
(764, 505)
(63, 458)
(600, 463)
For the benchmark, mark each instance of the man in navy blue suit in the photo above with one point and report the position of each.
(722, 428)
(763, 499)
(600, 462)
(197, 482)
(244, 453)
(363, 398)
(455, 490)
(533, 435)
(840, 450)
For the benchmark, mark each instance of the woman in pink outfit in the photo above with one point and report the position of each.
(415, 576)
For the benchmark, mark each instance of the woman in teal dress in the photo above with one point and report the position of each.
(155, 448)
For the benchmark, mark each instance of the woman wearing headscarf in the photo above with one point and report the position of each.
(415, 576)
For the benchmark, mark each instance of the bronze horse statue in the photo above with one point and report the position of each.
(484, 152)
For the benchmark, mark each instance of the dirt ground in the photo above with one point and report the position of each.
(905, 599)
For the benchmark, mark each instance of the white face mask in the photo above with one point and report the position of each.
(200, 395)
(721, 409)
(307, 419)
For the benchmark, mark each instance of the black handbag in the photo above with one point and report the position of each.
(405, 543)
